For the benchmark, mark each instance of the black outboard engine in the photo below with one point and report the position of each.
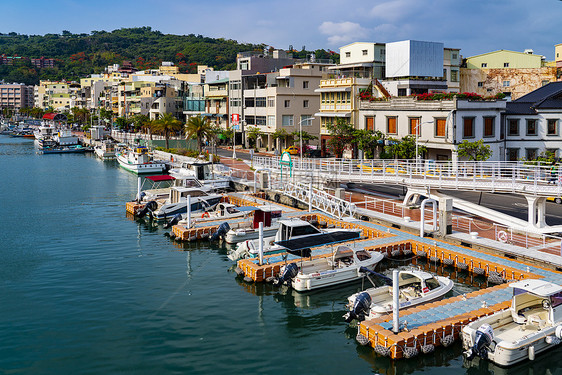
(176, 219)
(149, 207)
(360, 309)
(287, 274)
(482, 341)
(141, 196)
(221, 231)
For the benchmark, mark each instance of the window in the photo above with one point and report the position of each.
(306, 120)
(506, 83)
(440, 124)
(468, 127)
(531, 127)
(250, 120)
(401, 92)
(249, 102)
(364, 52)
(454, 56)
(271, 120)
(305, 103)
(287, 103)
(287, 120)
(444, 73)
(260, 102)
(552, 127)
(484, 65)
(513, 127)
(261, 120)
(271, 101)
(304, 84)
(531, 153)
(512, 154)
(348, 54)
(414, 126)
(454, 75)
(489, 126)
(370, 123)
(391, 125)
(506, 65)
(480, 84)
(235, 85)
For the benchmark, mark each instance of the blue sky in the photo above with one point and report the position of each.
(476, 26)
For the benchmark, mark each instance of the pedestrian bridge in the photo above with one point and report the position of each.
(535, 181)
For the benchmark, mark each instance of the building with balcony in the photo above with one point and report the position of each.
(216, 101)
(16, 96)
(58, 95)
(43, 62)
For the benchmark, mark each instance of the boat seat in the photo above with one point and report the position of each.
(538, 319)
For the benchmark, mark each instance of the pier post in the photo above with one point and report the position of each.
(188, 216)
(310, 197)
(139, 184)
(261, 242)
(396, 302)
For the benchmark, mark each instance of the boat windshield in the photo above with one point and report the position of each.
(432, 283)
(304, 230)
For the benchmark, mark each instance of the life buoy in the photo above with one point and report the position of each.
(205, 214)
(502, 236)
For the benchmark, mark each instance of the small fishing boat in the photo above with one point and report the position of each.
(345, 264)
(105, 150)
(138, 160)
(268, 215)
(532, 325)
(203, 171)
(415, 287)
(62, 150)
(293, 229)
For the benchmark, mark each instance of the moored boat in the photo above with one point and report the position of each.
(138, 160)
(532, 325)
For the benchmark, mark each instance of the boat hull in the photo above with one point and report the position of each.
(170, 210)
(140, 168)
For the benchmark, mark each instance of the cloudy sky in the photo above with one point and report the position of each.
(475, 26)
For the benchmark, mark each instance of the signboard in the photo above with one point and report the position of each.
(286, 161)
(236, 127)
(235, 120)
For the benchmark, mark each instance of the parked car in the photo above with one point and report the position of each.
(293, 150)
(313, 153)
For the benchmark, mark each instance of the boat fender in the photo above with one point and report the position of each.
(558, 332)
(410, 351)
(426, 349)
(421, 254)
(384, 351)
(395, 253)
(248, 279)
(462, 266)
(552, 340)
(447, 340)
(478, 270)
(362, 340)
(270, 279)
(531, 353)
(239, 271)
(448, 262)
(434, 259)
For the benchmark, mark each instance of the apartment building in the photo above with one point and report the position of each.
(216, 101)
(512, 73)
(16, 96)
(58, 95)
(43, 62)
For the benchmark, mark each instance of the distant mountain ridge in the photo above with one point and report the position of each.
(79, 55)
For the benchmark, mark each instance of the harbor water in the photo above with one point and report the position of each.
(86, 290)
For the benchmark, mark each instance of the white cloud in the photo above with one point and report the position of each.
(396, 10)
(342, 32)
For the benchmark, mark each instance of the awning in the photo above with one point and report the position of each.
(160, 178)
(355, 65)
(279, 77)
(332, 114)
(333, 89)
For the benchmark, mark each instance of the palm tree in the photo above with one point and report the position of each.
(199, 127)
(166, 124)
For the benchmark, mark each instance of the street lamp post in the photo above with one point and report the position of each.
(300, 132)
(417, 141)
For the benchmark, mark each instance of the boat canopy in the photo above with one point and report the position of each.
(160, 178)
(538, 287)
(318, 240)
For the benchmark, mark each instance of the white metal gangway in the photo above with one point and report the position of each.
(541, 180)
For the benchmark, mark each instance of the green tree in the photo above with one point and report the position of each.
(253, 134)
(199, 127)
(368, 141)
(122, 123)
(306, 137)
(279, 134)
(140, 122)
(167, 124)
(404, 148)
(476, 150)
(342, 135)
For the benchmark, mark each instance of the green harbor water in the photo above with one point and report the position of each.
(86, 290)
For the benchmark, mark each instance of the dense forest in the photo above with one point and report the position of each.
(79, 55)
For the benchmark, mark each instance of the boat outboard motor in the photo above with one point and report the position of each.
(289, 272)
(176, 219)
(221, 231)
(141, 196)
(148, 207)
(482, 341)
(360, 309)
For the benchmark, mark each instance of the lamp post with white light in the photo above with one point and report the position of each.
(300, 132)
(417, 140)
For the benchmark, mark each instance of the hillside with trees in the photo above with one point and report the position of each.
(79, 55)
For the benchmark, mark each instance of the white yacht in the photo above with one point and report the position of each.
(248, 230)
(203, 171)
(138, 160)
(415, 287)
(532, 325)
(105, 150)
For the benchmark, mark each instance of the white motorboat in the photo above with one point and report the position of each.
(268, 215)
(344, 265)
(203, 171)
(176, 203)
(138, 160)
(105, 150)
(415, 287)
(64, 137)
(293, 229)
(532, 325)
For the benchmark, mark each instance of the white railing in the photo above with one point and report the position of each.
(515, 177)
